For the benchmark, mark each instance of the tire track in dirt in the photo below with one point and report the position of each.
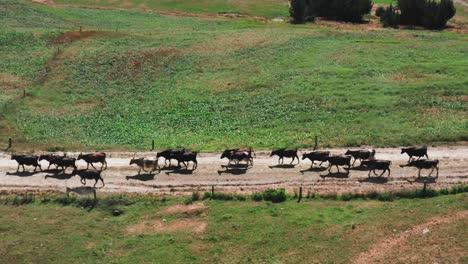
(381, 249)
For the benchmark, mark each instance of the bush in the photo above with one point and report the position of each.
(275, 196)
(257, 197)
(347, 197)
(426, 13)
(390, 17)
(206, 195)
(302, 11)
(195, 196)
(386, 196)
(379, 11)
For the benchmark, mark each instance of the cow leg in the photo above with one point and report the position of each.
(105, 163)
(419, 173)
(354, 162)
(83, 181)
(195, 165)
(320, 165)
(368, 175)
(96, 180)
(23, 167)
(338, 168)
(293, 158)
(139, 171)
(383, 171)
(430, 173)
(17, 169)
(375, 173)
(437, 172)
(102, 181)
(48, 168)
(388, 172)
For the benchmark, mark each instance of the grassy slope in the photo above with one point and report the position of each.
(213, 83)
(249, 232)
(264, 8)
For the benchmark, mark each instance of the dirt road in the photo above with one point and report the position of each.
(211, 171)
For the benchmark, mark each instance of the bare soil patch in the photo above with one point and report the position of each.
(71, 36)
(10, 81)
(196, 226)
(189, 209)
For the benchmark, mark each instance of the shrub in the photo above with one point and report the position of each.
(275, 196)
(379, 11)
(206, 195)
(390, 17)
(302, 11)
(426, 13)
(257, 197)
(195, 196)
(347, 197)
(386, 196)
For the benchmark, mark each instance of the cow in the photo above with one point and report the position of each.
(94, 158)
(339, 161)
(65, 162)
(90, 175)
(143, 164)
(238, 155)
(51, 158)
(288, 153)
(424, 164)
(373, 164)
(186, 157)
(169, 154)
(415, 152)
(361, 155)
(321, 156)
(28, 160)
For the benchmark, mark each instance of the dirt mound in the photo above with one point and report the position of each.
(196, 226)
(190, 209)
(72, 36)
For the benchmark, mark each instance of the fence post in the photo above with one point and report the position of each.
(9, 144)
(212, 190)
(152, 145)
(80, 28)
(300, 194)
(316, 143)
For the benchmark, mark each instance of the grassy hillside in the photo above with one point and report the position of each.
(167, 231)
(131, 76)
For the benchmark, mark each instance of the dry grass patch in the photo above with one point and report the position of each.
(10, 81)
(189, 209)
(196, 226)
(72, 36)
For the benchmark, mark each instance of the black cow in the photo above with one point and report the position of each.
(169, 154)
(424, 164)
(361, 155)
(339, 161)
(415, 152)
(186, 157)
(238, 155)
(321, 156)
(372, 165)
(143, 164)
(51, 158)
(288, 153)
(28, 160)
(90, 175)
(94, 158)
(65, 163)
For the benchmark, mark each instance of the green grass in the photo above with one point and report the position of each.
(214, 83)
(44, 231)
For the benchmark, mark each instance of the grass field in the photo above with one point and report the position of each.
(210, 83)
(164, 230)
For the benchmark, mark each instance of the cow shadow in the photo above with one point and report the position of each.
(59, 176)
(181, 170)
(376, 179)
(424, 179)
(359, 168)
(283, 166)
(23, 173)
(235, 169)
(314, 169)
(170, 168)
(338, 175)
(141, 177)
